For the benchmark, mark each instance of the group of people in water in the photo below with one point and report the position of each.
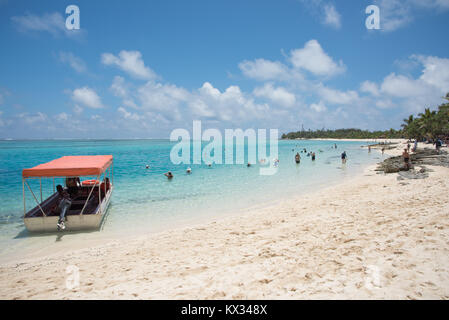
(310, 154)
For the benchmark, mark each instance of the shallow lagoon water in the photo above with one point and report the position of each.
(144, 200)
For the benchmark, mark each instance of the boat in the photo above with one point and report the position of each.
(90, 197)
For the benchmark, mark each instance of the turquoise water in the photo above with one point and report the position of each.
(145, 201)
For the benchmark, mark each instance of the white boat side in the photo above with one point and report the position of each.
(73, 222)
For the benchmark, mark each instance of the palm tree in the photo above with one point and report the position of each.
(407, 122)
(427, 122)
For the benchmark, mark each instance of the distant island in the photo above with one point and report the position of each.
(427, 126)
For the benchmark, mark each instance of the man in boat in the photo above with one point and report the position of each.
(73, 185)
(63, 205)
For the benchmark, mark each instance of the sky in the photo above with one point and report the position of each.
(140, 69)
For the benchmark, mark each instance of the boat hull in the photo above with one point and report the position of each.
(72, 222)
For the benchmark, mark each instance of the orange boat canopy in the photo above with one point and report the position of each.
(70, 166)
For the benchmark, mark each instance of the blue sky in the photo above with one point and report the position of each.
(139, 69)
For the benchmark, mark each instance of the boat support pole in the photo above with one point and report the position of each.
(85, 204)
(99, 194)
(35, 199)
(24, 201)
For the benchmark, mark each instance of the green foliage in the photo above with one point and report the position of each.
(428, 125)
(344, 134)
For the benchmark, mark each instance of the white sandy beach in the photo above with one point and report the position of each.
(373, 237)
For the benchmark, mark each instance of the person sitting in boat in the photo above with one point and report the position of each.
(105, 186)
(169, 175)
(73, 185)
(64, 203)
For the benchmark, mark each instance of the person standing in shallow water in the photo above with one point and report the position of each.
(343, 157)
(313, 156)
(297, 158)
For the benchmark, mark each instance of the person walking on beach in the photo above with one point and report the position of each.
(343, 157)
(408, 147)
(369, 149)
(438, 144)
(63, 205)
(383, 150)
(406, 157)
(415, 146)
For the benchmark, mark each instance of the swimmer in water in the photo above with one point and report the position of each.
(169, 175)
(189, 170)
(147, 166)
(248, 165)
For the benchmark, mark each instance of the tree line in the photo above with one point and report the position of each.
(428, 125)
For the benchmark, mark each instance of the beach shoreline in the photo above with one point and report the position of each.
(372, 237)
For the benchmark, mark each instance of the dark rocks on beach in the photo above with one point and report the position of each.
(420, 157)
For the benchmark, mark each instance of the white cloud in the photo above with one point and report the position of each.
(87, 97)
(163, 98)
(62, 116)
(231, 105)
(313, 59)
(261, 69)
(385, 104)
(76, 63)
(409, 93)
(318, 107)
(53, 23)
(77, 109)
(370, 87)
(118, 87)
(436, 71)
(331, 16)
(128, 115)
(278, 95)
(396, 14)
(131, 62)
(28, 118)
(401, 86)
(336, 96)
(199, 108)
(97, 117)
